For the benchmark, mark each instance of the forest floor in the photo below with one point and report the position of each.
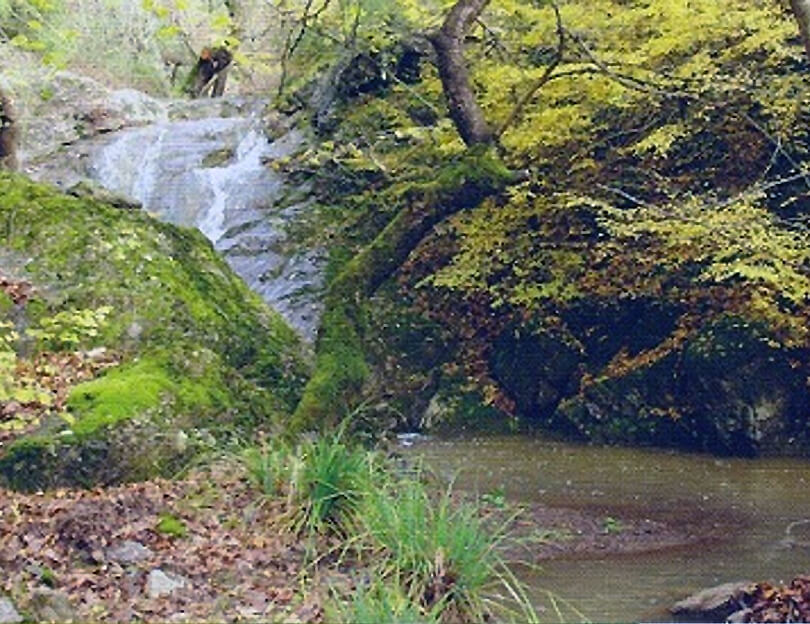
(208, 547)
(110, 551)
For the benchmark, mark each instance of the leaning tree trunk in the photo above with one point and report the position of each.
(801, 9)
(341, 369)
(449, 45)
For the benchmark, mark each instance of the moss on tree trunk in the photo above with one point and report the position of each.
(341, 367)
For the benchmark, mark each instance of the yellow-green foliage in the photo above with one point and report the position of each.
(682, 252)
(652, 137)
(642, 50)
(655, 152)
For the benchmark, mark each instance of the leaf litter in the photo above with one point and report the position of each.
(237, 564)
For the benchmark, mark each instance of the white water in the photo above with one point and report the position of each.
(233, 202)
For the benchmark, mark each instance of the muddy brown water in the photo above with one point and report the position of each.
(736, 510)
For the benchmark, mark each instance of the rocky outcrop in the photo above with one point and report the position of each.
(134, 344)
(714, 604)
(728, 388)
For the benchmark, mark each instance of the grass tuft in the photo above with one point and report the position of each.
(323, 481)
(434, 558)
(381, 603)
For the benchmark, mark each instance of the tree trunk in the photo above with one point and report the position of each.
(8, 134)
(801, 10)
(449, 45)
(340, 367)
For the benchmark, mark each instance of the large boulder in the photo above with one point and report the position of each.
(126, 344)
(729, 388)
(681, 326)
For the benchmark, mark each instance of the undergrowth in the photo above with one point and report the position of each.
(431, 557)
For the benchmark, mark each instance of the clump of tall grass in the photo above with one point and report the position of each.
(439, 550)
(380, 603)
(322, 480)
(431, 555)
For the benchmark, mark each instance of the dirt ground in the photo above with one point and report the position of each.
(547, 532)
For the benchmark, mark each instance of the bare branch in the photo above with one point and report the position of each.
(542, 81)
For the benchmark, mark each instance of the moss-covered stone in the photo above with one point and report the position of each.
(341, 367)
(197, 349)
(729, 388)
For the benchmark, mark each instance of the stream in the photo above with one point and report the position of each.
(746, 504)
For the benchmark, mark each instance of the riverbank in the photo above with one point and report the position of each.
(686, 521)
(546, 532)
(210, 547)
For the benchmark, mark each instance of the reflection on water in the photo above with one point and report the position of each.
(757, 499)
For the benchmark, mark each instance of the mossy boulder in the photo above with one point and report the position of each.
(729, 388)
(191, 354)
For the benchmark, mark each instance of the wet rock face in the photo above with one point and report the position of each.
(202, 164)
(538, 369)
(212, 174)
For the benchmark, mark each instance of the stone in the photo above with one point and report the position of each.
(48, 605)
(128, 553)
(8, 614)
(741, 616)
(713, 604)
(160, 583)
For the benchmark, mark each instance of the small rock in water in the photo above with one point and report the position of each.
(8, 614)
(738, 617)
(128, 552)
(48, 605)
(714, 603)
(409, 439)
(159, 583)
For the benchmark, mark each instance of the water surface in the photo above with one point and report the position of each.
(751, 501)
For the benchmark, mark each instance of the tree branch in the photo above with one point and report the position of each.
(448, 43)
(542, 81)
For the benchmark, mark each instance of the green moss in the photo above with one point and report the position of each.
(6, 304)
(198, 348)
(118, 395)
(341, 367)
(171, 525)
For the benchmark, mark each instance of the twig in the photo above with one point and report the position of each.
(496, 39)
(542, 81)
(625, 194)
(777, 144)
(631, 82)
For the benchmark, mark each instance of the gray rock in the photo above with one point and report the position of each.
(8, 614)
(739, 617)
(48, 605)
(128, 553)
(160, 583)
(713, 604)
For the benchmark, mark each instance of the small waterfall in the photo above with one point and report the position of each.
(211, 173)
